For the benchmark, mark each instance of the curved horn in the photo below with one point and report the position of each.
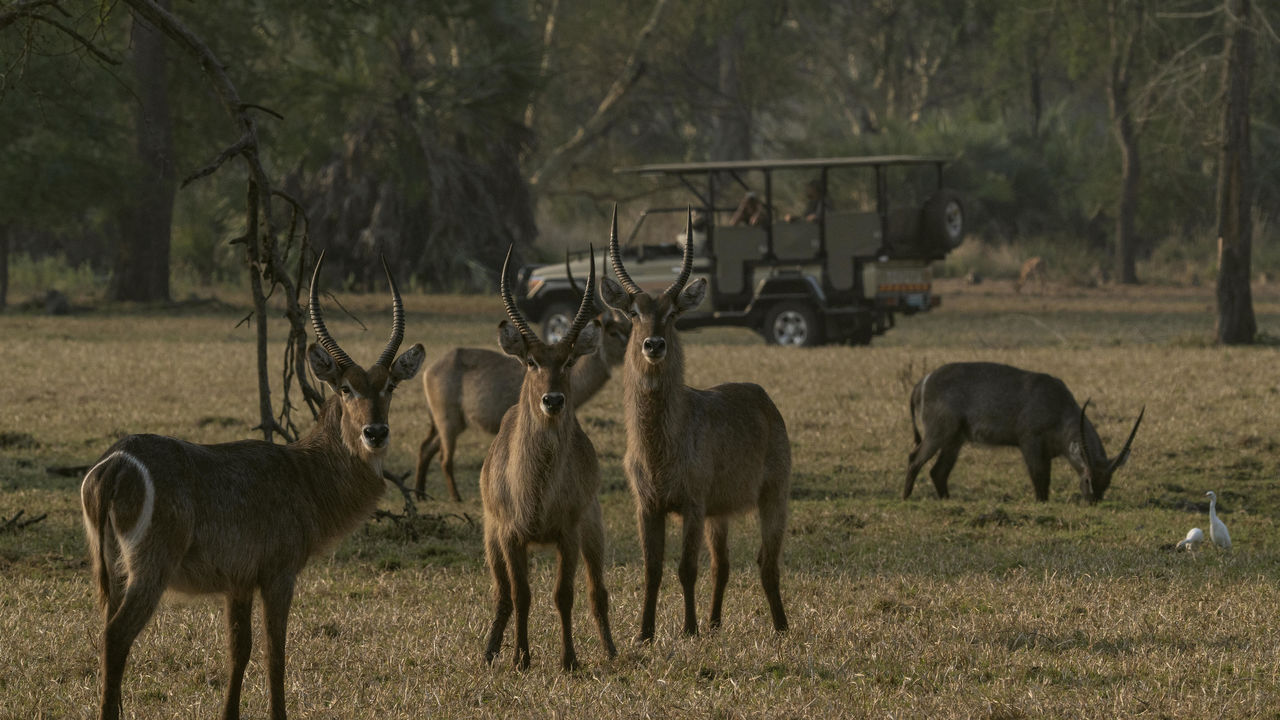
(569, 272)
(1084, 443)
(616, 260)
(510, 304)
(586, 308)
(1124, 452)
(686, 266)
(326, 341)
(388, 355)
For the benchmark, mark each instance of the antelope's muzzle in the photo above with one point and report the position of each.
(552, 403)
(375, 436)
(655, 348)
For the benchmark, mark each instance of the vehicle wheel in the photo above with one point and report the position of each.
(942, 225)
(556, 321)
(792, 323)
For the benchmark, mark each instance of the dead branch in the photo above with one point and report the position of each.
(16, 524)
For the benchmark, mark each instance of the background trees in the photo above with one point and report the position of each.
(438, 135)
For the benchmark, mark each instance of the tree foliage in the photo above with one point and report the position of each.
(438, 134)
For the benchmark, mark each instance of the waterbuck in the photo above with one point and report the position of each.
(996, 404)
(705, 455)
(239, 517)
(473, 387)
(540, 481)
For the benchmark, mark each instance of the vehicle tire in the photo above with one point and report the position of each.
(556, 321)
(792, 323)
(942, 221)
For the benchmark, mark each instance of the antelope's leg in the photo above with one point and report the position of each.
(919, 456)
(426, 451)
(688, 572)
(941, 469)
(136, 608)
(277, 596)
(517, 557)
(593, 557)
(653, 538)
(501, 596)
(717, 532)
(240, 645)
(773, 528)
(566, 569)
(1038, 467)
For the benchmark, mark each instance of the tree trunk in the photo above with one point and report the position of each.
(1122, 38)
(1130, 181)
(141, 267)
(1235, 324)
(733, 118)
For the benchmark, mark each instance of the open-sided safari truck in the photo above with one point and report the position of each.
(837, 270)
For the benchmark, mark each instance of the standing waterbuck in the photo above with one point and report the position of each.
(705, 455)
(473, 387)
(540, 481)
(239, 517)
(995, 404)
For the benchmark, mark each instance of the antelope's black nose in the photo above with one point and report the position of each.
(552, 403)
(655, 347)
(376, 435)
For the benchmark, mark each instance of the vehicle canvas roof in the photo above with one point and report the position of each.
(793, 164)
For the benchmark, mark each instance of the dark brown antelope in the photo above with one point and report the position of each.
(705, 455)
(239, 517)
(473, 387)
(995, 404)
(540, 481)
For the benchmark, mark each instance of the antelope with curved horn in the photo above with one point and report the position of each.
(241, 517)
(540, 481)
(705, 455)
(473, 387)
(996, 404)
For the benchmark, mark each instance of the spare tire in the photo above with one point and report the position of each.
(942, 222)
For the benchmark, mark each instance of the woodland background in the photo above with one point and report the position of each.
(1084, 131)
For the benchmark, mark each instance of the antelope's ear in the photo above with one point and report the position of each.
(323, 365)
(692, 295)
(613, 295)
(510, 339)
(588, 340)
(406, 366)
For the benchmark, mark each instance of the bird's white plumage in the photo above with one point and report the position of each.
(1194, 537)
(1217, 529)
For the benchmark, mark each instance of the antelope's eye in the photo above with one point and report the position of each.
(633, 313)
(533, 364)
(345, 389)
(569, 363)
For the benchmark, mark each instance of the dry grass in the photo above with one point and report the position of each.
(987, 605)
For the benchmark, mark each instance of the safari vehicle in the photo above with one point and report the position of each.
(840, 271)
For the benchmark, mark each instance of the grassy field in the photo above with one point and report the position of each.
(986, 605)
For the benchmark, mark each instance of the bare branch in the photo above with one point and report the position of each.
(244, 143)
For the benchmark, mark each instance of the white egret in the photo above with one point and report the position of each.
(1195, 536)
(1217, 530)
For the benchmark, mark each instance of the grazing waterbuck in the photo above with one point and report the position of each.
(240, 517)
(705, 455)
(473, 387)
(540, 481)
(994, 404)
